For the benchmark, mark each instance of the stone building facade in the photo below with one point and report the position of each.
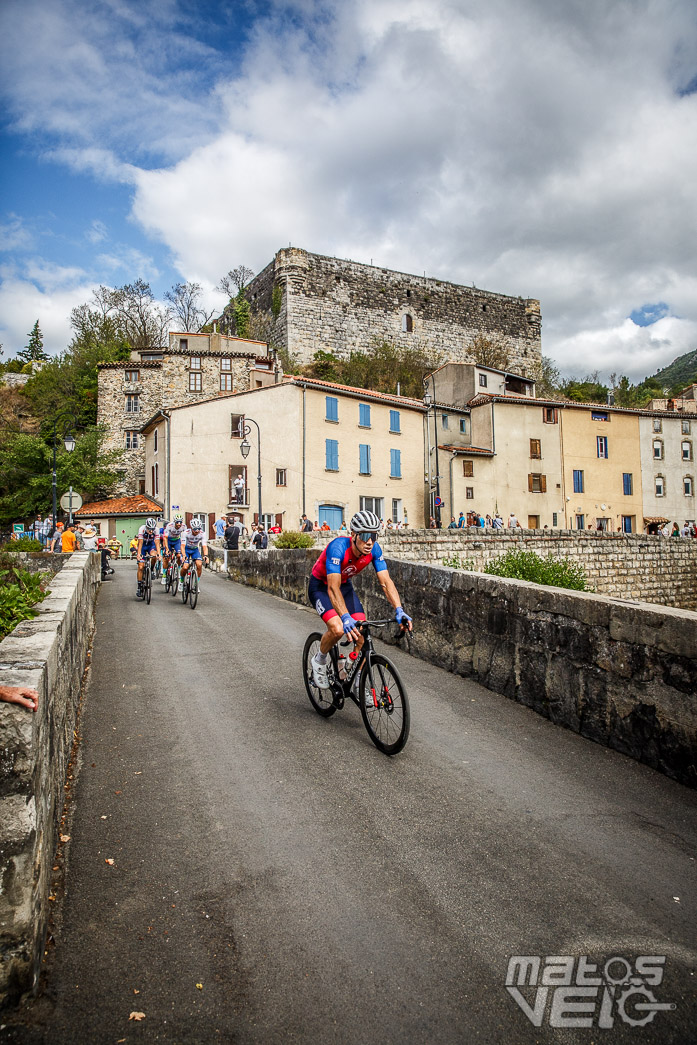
(310, 302)
(193, 368)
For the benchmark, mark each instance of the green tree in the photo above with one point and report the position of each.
(26, 481)
(547, 380)
(35, 349)
(589, 390)
(243, 314)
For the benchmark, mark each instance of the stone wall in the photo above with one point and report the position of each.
(622, 675)
(625, 566)
(340, 306)
(48, 653)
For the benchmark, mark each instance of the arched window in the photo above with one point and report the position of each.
(407, 323)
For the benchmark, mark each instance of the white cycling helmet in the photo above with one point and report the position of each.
(365, 522)
(150, 524)
(178, 517)
(196, 523)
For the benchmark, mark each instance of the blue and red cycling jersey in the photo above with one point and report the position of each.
(337, 558)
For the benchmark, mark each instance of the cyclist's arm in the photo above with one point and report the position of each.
(157, 546)
(389, 590)
(165, 543)
(139, 548)
(204, 549)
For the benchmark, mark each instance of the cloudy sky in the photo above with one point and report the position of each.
(542, 148)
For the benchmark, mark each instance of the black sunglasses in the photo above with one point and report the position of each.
(365, 536)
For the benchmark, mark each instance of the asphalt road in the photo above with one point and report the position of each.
(276, 879)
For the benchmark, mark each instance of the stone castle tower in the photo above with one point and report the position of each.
(310, 302)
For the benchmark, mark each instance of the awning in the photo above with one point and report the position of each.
(655, 519)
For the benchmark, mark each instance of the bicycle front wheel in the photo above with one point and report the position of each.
(193, 591)
(185, 588)
(175, 581)
(384, 705)
(148, 585)
(321, 699)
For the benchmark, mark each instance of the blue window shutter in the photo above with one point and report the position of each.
(364, 463)
(364, 415)
(332, 454)
(396, 464)
(578, 480)
(627, 483)
(394, 421)
(332, 408)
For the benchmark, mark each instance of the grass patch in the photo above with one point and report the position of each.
(529, 566)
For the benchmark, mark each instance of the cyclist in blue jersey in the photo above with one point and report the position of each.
(332, 594)
(148, 544)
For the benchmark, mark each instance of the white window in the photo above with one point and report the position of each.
(132, 404)
(195, 362)
(132, 376)
(657, 450)
(482, 380)
(131, 440)
(372, 504)
(686, 448)
(657, 424)
(195, 381)
(226, 382)
(687, 486)
(226, 363)
(660, 486)
(685, 426)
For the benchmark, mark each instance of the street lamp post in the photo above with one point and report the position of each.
(69, 440)
(430, 401)
(245, 447)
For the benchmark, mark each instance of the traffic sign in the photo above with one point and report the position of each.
(70, 502)
(438, 502)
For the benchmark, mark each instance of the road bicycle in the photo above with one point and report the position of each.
(172, 575)
(371, 682)
(146, 583)
(189, 584)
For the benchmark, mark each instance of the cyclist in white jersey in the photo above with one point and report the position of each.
(172, 537)
(194, 544)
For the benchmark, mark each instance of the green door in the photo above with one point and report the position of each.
(126, 528)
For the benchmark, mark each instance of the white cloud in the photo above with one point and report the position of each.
(14, 234)
(97, 232)
(528, 146)
(22, 302)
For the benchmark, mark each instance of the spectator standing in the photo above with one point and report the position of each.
(675, 532)
(46, 531)
(461, 522)
(512, 521)
(305, 525)
(432, 525)
(68, 541)
(452, 525)
(220, 524)
(497, 523)
(38, 528)
(489, 520)
(238, 483)
(57, 535)
(89, 538)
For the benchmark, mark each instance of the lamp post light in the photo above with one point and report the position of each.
(430, 401)
(245, 447)
(69, 441)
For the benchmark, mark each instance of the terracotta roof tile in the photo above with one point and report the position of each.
(138, 505)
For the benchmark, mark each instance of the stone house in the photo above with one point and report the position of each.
(326, 451)
(192, 368)
(308, 302)
(119, 517)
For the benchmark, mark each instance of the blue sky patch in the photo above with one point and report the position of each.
(648, 314)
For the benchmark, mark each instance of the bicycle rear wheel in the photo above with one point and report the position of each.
(185, 587)
(175, 580)
(384, 705)
(321, 699)
(168, 579)
(193, 591)
(148, 584)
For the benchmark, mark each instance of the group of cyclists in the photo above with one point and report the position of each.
(330, 589)
(186, 544)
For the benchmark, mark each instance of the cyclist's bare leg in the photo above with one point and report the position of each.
(334, 634)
